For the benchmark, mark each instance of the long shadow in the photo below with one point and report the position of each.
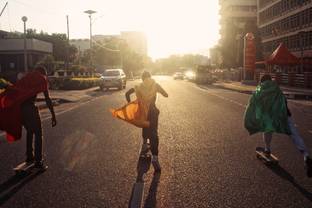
(14, 184)
(278, 170)
(150, 201)
(99, 92)
(143, 166)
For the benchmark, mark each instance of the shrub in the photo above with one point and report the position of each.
(74, 83)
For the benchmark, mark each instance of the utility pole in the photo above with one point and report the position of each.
(67, 47)
(24, 19)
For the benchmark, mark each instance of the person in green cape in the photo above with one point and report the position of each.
(267, 112)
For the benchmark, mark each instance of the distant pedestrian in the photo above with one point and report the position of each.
(32, 123)
(268, 112)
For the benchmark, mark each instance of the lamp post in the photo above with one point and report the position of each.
(90, 12)
(24, 19)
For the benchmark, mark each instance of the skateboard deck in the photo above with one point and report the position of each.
(23, 167)
(272, 159)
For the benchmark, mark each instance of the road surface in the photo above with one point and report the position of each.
(207, 157)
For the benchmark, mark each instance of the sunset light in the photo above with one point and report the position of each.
(175, 26)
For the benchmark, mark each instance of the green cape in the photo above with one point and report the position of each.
(267, 110)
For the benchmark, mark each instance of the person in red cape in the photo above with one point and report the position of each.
(17, 109)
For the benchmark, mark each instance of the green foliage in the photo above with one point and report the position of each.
(74, 83)
(175, 63)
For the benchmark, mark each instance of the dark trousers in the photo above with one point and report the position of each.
(32, 123)
(151, 133)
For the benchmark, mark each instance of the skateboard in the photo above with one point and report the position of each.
(272, 159)
(24, 168)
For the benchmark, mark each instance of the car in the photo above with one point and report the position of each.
(113, 78)
(178, 75)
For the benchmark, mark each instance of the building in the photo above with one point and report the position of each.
(12, 53)
(288, 22)
(215, 56)
(136, 41)
(238, 17)
(81, 44)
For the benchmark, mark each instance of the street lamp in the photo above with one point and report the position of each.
(90, 12)
(24, 19)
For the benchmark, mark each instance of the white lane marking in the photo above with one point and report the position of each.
(221, 97)
(2, 134)
(71, 108)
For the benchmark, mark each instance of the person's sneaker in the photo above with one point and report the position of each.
(156, 164)
(29, 161)
(41, 165)
(308, 166)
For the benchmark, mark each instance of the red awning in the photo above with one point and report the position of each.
(282, 56)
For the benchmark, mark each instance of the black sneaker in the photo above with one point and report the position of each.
(308, 166)
(29, 161)
(41, 166)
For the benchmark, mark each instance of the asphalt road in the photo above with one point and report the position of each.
(208, 158)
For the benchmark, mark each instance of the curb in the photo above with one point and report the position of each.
(289, 95)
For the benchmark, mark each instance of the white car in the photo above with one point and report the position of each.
(113, 78)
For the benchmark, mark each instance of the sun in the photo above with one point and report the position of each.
(180, 26)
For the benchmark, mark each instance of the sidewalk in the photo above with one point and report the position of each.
(290, 92)
(65, 96)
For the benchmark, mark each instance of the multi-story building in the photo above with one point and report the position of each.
(289, 22)
(238, 17)
(12, 53)
(81, 44)
(135, 40)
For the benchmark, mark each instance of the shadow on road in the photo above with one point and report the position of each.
(150, 201)
(137, 193)
(281, 172)
(14, 184)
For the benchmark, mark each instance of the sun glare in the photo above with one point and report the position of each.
(171, 26)
(178, 26)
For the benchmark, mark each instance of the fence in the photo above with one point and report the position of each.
(291, 79)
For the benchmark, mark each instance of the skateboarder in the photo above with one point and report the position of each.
(32, 123)
(148, 90)
(274, 119)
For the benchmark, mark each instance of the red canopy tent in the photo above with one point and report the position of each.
(282, 56)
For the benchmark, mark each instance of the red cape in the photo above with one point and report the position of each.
(10, 103)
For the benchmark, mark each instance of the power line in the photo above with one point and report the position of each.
(6, 4)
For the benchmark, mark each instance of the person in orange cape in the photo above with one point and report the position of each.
(143, 113)
(17, 109)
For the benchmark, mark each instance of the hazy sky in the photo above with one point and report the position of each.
(171, 26)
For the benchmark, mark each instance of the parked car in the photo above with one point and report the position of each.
(178, 75)
(113, 78)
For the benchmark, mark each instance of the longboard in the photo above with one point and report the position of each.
(23, 167)
(272, 159)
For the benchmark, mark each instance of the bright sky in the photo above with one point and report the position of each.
(171, 26)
